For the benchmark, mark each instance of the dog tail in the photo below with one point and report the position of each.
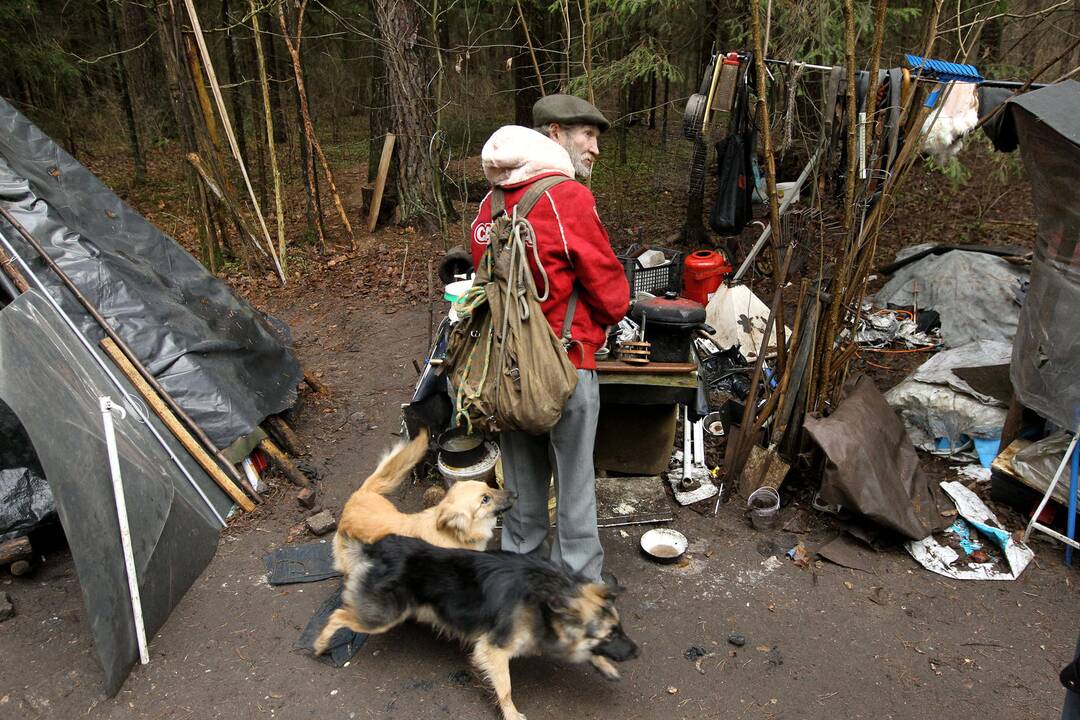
(395, 466)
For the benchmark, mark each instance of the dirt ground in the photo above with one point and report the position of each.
(821, 641)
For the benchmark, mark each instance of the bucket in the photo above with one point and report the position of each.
(456, 289)
(703, 271)
(763, 506)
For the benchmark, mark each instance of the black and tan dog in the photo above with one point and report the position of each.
(504, 604)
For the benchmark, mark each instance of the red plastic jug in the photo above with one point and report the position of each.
(703, 271)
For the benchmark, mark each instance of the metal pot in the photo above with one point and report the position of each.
(669, 325)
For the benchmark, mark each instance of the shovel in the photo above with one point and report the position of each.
(764, 467)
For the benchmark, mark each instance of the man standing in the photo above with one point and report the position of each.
(576, 257)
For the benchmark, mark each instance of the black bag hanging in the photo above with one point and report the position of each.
(732, 207)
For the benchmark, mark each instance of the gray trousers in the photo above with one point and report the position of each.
(529, 461)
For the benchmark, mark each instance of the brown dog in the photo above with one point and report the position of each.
(464, 518)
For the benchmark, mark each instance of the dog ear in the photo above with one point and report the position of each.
(449, 518)
(559, 604)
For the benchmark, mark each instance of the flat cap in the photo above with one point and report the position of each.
(567, 110)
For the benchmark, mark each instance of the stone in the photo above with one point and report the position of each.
(306, 497)
(736, 640)
(321, 523)
(7, 609)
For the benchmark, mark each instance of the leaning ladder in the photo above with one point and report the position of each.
(1034, 524)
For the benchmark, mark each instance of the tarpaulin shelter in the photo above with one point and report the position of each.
(1046, 353)
(227, 365)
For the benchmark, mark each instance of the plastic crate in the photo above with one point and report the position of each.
(654, 280)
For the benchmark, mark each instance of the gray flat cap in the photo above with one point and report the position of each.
(568, 110)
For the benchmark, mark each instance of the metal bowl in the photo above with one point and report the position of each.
(664, 545)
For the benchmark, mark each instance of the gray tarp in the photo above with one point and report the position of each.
(52, 384)
(871, 466)
(1046, 356)
(227, 364)
(973, 292)
(935, 403)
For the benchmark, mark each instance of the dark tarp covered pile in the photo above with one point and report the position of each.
(53, 385)
(1046, 352)
(226, 364)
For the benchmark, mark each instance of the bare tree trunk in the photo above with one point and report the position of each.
(268, 114)
(234, 80)
(414, 125)
(527, 88)
(277, 107)
(168, 38)
(309, 128)
(125, 94)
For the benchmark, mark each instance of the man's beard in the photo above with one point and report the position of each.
(582, 170)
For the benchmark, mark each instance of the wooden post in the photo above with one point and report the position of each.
(380, 180)
(179, 431)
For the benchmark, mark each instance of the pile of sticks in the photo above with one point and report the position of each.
(811, 363)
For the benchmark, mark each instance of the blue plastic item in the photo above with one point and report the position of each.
(987, 449)
(942, 71)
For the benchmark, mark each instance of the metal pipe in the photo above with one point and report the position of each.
(107, 408)
(105, 368)
(150, 379)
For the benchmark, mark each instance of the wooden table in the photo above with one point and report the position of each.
(638, 407)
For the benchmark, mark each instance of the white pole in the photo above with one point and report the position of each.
(107, 409)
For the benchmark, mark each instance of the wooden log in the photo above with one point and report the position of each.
(283, 463)
(313, 382)
(176, 428)
(284, 435)
(380, 180)
(15, 550)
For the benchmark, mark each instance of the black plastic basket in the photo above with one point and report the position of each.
(654, 280)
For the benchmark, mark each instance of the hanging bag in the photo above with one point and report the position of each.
(732, 208)
(506, 368)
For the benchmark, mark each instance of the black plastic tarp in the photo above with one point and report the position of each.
(25, 497)
(53, 385)
(227, 364)
(1046, 353)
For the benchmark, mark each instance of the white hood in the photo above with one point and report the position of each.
(514, 154)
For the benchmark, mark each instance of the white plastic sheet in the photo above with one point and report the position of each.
(944, 560)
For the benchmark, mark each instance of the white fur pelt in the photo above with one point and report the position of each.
(956, 115)
(514, 154)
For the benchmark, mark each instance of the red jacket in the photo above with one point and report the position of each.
(573, 247)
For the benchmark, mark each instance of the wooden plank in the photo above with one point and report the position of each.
(656, 368)
(178, 430)
(682, 380)
(380, 180)
(15, 550)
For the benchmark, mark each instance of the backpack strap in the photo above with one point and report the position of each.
(529, 199)
(568, 321)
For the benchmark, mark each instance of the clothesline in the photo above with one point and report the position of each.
(828, 68)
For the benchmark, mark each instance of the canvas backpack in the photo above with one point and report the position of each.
(506, 368)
